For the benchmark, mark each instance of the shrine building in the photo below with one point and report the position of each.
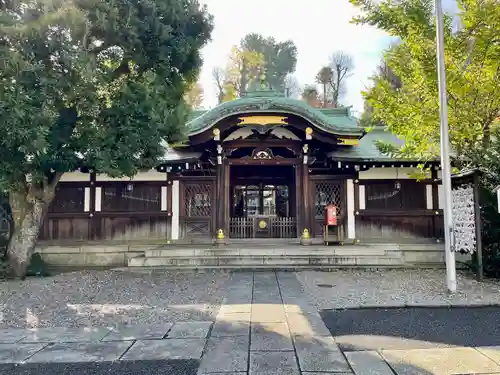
(261, 167)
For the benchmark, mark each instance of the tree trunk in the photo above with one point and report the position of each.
(324, 94)
(28, 211)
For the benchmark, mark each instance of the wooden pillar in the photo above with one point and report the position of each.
(227, 201)
(435, 204)
(298, 199)
(306, 199)
(219, 197)
(356, 201)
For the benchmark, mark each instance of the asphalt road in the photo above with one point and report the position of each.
(170, 367)
(408, 328)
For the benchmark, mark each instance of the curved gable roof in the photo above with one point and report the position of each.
(339, 121)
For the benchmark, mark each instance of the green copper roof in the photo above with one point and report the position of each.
(336, 120)
(367, 149)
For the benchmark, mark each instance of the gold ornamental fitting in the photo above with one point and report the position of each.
(305, 234)
(220, 234)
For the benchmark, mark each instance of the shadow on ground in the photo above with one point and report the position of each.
(414, 328)
(171, 367)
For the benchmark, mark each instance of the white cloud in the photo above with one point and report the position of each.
(318, 28)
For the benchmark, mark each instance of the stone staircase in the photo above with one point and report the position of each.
(291, 256)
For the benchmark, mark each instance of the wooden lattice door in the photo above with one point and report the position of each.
(325, 193)
(197, 209)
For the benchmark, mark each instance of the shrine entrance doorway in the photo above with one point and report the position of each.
(262, 202)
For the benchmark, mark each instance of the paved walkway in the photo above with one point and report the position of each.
(268, 323)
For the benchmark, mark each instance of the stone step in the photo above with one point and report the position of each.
(263, 252)
(273, 251)
(310, 260)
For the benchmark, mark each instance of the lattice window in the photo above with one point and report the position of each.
(68, 199)
(198, 200)
(127, 197)
(394, 195)
(327, 193)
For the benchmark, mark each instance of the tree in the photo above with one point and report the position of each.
(342, 66)
(194, 95)
(385, 73)
(324, 78)
(310, 96)
(94, 83)
(241, 70)
(411, 109)
(473, 77)
(332, 78)
(218, 76)
(292, 87)
(280, 58)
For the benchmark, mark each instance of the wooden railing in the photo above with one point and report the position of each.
(281, 227)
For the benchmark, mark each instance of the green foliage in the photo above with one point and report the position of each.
(93, 82)
(473, 75)
(410, 109)
(280, 58)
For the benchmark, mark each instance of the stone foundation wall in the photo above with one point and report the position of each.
(90, 255)
(102, 255)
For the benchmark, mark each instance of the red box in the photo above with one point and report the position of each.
(330, 215)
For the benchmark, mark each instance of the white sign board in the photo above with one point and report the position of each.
(464, 223)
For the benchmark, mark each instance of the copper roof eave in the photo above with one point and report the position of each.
(275, 104)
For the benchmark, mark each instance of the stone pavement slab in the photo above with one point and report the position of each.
(368, 363)
(273, 363)
(81, 352)
(298, 306)
(265, 297)
(228, 325)
(189, 330)
(165, 349)
(63, 334)
(14, 353)
(268, 313)
(235, 308)
(492, 352)
(138, 332)
(12, 335)
(319, 354)
(270, 337)
(307, 325)
(440, 361)
(225, 354)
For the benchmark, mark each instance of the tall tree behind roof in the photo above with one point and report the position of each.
(280, 58)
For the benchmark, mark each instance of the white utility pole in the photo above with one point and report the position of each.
(451, 273)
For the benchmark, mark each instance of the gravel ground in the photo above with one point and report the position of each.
(395, 288)
(110, 298)
(98, 298)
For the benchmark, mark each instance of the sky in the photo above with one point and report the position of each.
(318, 28)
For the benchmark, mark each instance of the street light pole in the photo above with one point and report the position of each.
(451, 274)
